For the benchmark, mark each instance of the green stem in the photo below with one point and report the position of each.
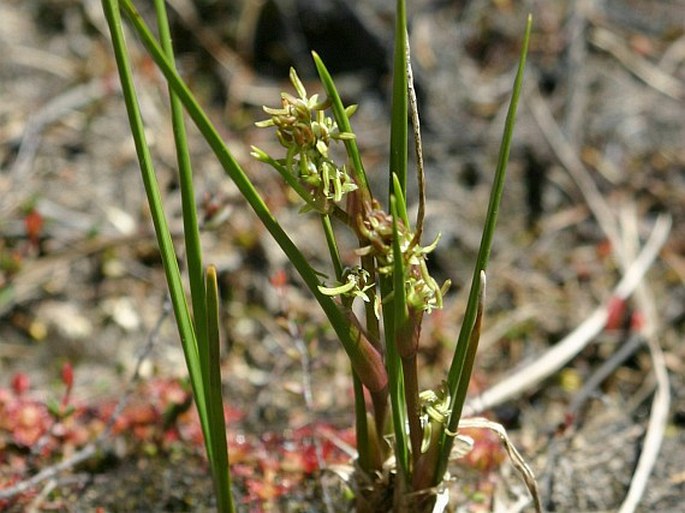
(474, 338)
(361, 425)
(314, 203)
(190, 224)
(361, 421)
(332, 246)
(394, 317)
(165, 244)
(191, 229)
(374, 333)
(411, 395)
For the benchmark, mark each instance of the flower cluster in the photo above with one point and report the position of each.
(306, 132)
(435, 412)
(376, 227)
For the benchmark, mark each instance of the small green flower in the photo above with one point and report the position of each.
(435, 412)
(355, 284)
(375, 226)
(304, 129)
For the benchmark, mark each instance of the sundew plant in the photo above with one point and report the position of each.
(405, 434)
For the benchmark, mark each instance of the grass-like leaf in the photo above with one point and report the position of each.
(398, 127)
(220, 469)
(190, 224)
(394, 322)
(456, 372)
(474, 338)
(342, 119)
(164, 242)
(191, 229)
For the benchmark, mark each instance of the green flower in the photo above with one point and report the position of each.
(306, 132)
(435, 413)
(375, 226)
(355, 284)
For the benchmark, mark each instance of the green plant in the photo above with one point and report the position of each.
(391, 277)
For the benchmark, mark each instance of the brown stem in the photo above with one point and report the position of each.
(380, 399)
(368, 362)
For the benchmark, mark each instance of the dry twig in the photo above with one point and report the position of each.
(53, 111)
(418, 147)
(577, 52)
(572, 163)
(516, 459)
(624, 247)
(556, 357)
(650, 74)
(658, 417)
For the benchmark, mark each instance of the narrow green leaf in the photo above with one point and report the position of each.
(191, 229)
(190, 222)
(361, 426)
(491, 218)
(395, 376)
(405, 332)
(399, 273)
(340, 113)
(332, 247)
(173, 275)
(460, 353)
(398, 127)
(220, 468)
(474, 338)
(400, 201)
